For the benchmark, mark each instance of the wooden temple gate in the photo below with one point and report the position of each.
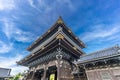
(50, 71)
(52, 55)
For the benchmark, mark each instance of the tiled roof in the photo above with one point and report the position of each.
(106, 53)
(4, 73)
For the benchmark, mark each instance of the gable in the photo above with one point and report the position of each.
(53, 30)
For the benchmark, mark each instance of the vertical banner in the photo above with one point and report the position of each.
(52, 77)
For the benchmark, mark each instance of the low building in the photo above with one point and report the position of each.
(5, 73)
(100, 65)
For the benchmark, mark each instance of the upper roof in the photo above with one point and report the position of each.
(105, 53)
(50, 41)
(59, 21)
(4, 72)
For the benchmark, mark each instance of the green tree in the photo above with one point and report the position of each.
(17, 77)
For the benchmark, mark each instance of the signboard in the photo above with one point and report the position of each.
(52, 77)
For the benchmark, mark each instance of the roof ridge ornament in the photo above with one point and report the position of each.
(59, 28)
(60, 20)
(60, 36)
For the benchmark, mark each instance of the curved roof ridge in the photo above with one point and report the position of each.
(99, 51)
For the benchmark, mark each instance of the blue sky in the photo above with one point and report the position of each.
(95, 22)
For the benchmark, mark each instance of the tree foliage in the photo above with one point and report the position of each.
(17, 77)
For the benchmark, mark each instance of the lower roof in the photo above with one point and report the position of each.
(105, 53)
(5, 73)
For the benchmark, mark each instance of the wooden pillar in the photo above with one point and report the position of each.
(45, 72)
(77, 70)
(58, 69)
(27, 75)
(79, 77)
(33, 73)
(86, 72)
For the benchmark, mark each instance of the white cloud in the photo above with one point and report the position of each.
(7, 4)
(67, 2)
(101, 32)
(39, 7)
(4, 48)
(11, 31)
(18, 69)
(49, 10)
(22, 36)
(31, 2)
(42, 4)
(10, 62)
